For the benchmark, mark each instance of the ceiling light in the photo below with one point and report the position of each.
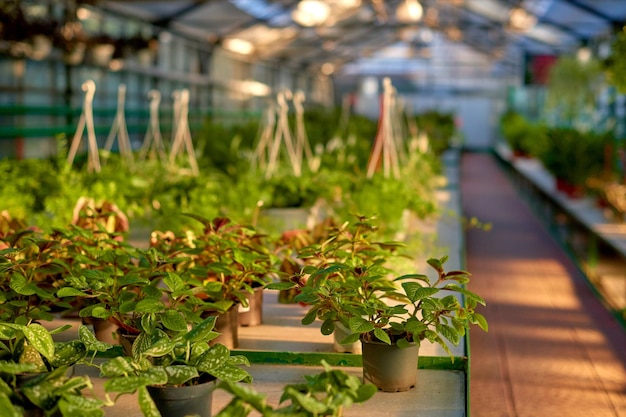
(311, 13)
(521, 20)
(349, 4)
(583, 54)
(83, 13)
(328, 68)
(238, 46)
(409, 11)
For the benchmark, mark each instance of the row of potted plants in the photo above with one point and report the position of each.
(343, 276)
(582, 162)
(44, 192)
(154, 295)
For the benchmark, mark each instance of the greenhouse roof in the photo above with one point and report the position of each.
(306, 33)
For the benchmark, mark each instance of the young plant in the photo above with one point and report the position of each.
(35, 371)
(159, 359)
(351, 284)
(327, 393)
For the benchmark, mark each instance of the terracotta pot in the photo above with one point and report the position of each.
(227, 325)
(390, 368)
(252, 315)
(104, 330)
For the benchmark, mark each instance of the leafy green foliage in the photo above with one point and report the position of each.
(349, 283)
(439, 127)
(183, 359)
(327, 393)
(35, 371)
(574, 155)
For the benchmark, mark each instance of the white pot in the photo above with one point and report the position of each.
(341, 333)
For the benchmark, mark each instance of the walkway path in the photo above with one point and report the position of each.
(552, 349)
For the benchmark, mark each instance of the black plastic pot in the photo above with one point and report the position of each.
(390, 368)
(192, 400)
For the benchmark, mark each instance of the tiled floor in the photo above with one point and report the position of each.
(552, 349)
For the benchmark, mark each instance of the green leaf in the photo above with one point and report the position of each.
(201, 330)
(146, 404)
(71, 292)
(350, 339)
(20, 285)
(448, 332)
(246, 393)
(159, 348)
(89, 340)
(179, 374)
(282, 285)
(311, 404)
(480, 320)
(40, 339)
(213, 358)
(328, 327)
(13, 368)
(382, 335)
(117, 366)
(131, 383)
(149, 305)
(416, 291)
(365, 392)
(68, 353)
(360, 325)
(419, 277)
(7, 408)
(173, 282)
(465, 292)
(174, 320)
(310, 316)
(231, 373)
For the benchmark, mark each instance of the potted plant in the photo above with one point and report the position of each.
(525, 139)
(30, 265)
(174, 375)
(133, 289)
(327, 393)
(36, 373)
(353, 286)
(229, 265)
(573, 157)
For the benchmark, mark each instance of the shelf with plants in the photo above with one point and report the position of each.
(90, 270)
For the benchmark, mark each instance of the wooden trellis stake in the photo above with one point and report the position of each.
(384, 151)
(153, 141)
(119, 129)
(283, 135)
(268, 124)
(86, 121)
(182, 138)
(302, 146)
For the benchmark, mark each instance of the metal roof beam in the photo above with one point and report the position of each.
(593, 11)
(166, 20)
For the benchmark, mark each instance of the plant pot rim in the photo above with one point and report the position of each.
(375, 341)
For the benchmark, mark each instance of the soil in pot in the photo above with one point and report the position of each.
(390, 368)
(191, 400)
(252, 315)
